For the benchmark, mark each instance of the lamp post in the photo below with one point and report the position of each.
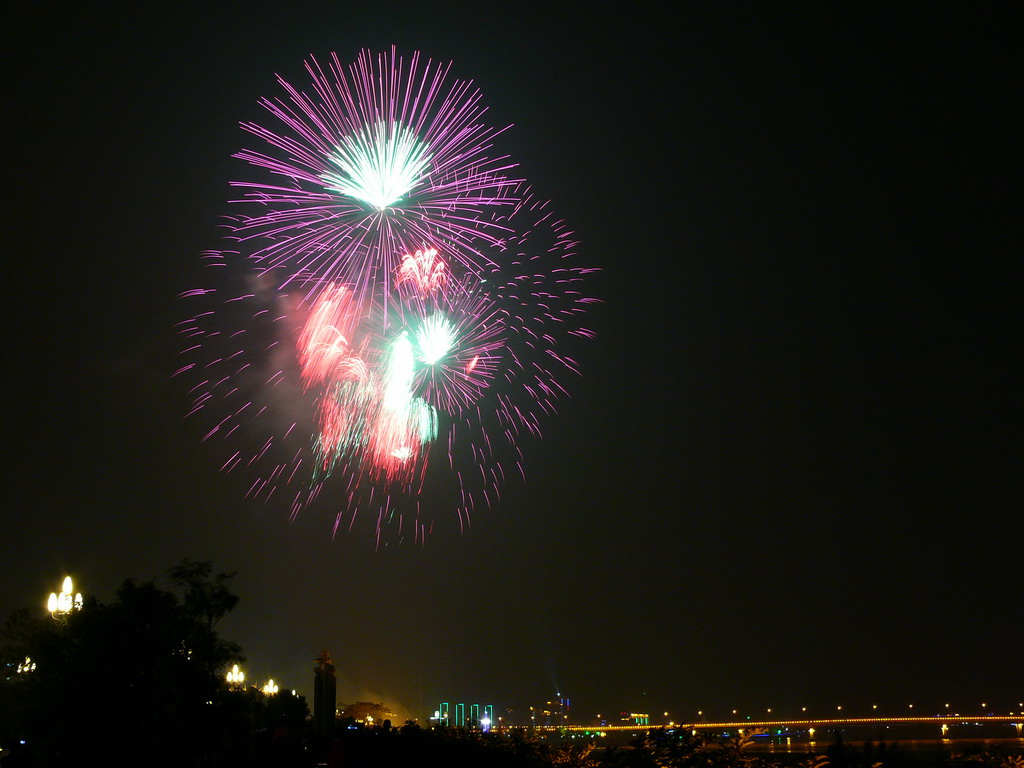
(270, 688)
(235, 677)
(66, 602)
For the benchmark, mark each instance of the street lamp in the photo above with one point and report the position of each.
(65, 602)
(270, 688)
(235, 677)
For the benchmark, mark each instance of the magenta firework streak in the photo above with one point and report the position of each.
(393, 317)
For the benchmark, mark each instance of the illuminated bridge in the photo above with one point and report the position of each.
(942, 723)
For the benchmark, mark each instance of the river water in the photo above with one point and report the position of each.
(937, 747)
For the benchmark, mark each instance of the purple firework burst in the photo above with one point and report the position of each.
(393, 320)
(381, 159)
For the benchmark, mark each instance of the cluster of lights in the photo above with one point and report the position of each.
(57, 605)
(236, 679)
(235, 676)
(65, 602)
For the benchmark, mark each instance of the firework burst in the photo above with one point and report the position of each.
(382, 158)
(394, 318)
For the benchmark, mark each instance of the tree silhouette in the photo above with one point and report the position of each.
(135, 681)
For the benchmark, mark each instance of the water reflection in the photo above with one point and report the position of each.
(800, 744)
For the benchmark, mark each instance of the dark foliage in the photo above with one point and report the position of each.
(411, 745)
(674, 747)
(135, 681)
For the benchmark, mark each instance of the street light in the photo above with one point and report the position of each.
(235, 677)
(270, 688)
(65, 602)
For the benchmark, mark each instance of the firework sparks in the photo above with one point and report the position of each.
(378, 168)
(424, 268)
(403, 301)
(386, 157)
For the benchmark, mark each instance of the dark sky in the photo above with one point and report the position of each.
(790, 474)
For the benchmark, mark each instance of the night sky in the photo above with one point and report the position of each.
(790, 473)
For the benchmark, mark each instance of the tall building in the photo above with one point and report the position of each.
(479, 715)
(324, 695)
(552, 713)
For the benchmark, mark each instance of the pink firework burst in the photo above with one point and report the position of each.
(383, 156)
(396, 318)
